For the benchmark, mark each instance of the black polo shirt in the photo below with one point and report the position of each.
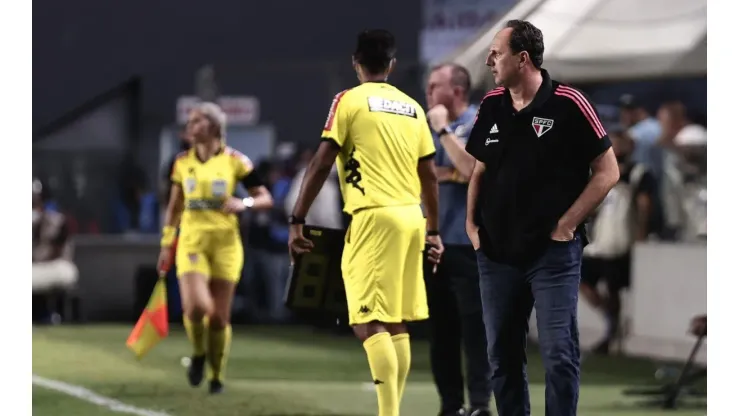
(537, 163)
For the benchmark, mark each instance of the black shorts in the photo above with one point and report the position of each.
(616, 272)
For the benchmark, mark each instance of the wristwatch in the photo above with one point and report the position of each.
(293, 220)
(445, 130)
(248, 202)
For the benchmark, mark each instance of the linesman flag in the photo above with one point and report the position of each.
(153, 324)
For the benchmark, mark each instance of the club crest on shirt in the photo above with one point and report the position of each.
(193, 257)
(542, 125)
(218, 188)
(189, 185)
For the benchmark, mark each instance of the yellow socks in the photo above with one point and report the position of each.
(402, 344)
(381, 355)
(219, 342)
(196, 334)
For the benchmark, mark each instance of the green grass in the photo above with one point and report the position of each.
(276, 372)
(47, 402)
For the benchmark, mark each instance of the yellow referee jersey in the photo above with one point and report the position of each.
(382, 133)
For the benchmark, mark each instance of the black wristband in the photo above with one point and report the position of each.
(432, 233)
(293, 220)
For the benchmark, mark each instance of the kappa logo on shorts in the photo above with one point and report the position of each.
(193, 257)
(542, 125)
(364, 309)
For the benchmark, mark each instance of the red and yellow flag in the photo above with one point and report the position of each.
(153, 324)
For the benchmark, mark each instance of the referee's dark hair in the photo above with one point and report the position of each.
(375, 50)
(460, 76)
(526, 37)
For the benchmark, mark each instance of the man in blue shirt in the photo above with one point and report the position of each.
(645, 132)
(453, 292)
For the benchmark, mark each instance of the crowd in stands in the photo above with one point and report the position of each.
(661, 195)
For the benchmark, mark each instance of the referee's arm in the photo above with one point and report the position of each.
(316, 174)
(427, 171)
(596, 150)
(332, 139)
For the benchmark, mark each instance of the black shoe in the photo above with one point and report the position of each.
(458, 412)
(196, 370)
(479, 412)
(216, 387)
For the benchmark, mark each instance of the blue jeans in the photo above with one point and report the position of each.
(550, 284)
(270, 270)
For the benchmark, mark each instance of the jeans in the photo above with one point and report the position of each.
(453, 295)
(550, 284)
(271, 269)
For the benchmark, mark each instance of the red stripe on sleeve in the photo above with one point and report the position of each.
(585, 107)
(333, 110)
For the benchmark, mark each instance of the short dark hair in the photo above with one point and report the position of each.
(460, 75)
(526, 37)
(375, 50)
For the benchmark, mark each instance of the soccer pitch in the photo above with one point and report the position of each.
(272, 372)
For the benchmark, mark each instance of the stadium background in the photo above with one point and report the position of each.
(107, 82)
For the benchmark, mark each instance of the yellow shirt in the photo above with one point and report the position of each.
(382, 133)
(207, 185)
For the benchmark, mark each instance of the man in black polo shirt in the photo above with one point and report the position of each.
(543, 163)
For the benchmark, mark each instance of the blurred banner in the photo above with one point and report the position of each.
(447, 24)
(240, 110)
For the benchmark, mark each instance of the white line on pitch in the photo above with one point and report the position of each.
(92, 397)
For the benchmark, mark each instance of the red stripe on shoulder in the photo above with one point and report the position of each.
(585, 106)
(333, 110)
(180, 156)
(238, 155)
(232, 152)
(493, 93)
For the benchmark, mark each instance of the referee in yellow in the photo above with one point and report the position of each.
(385, 158)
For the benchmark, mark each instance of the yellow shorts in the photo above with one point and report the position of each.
(213, 253)
(382, 265)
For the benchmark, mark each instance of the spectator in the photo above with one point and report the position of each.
(644, 131)
(132, 182)
(326, 210)
(698, 326)
(52, 270)
(622, 219)
(453, 292)
(268, 263)
(684, 173)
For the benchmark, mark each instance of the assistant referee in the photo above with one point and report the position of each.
(386, 160)
(543, 163)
